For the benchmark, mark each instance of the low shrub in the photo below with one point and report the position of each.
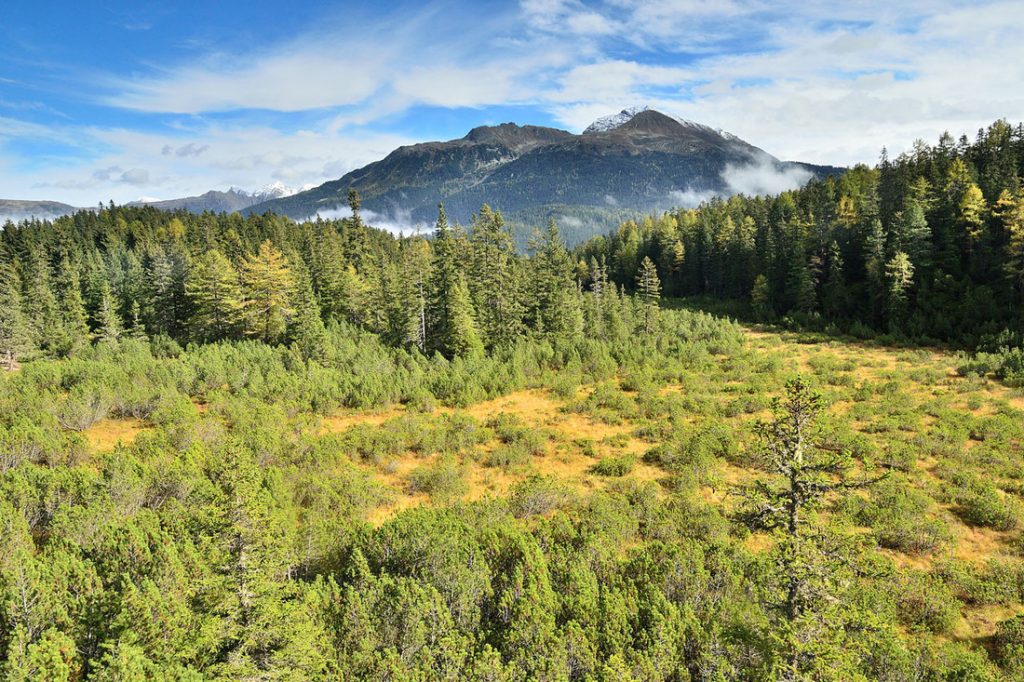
(614, 466)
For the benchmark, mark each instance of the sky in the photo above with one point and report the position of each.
(122, 100)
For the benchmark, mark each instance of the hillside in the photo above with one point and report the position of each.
(641, 161)
(16, 210)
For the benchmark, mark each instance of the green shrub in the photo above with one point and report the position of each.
(443, 479)
(926, 603)
(986, 506)
(537, 495)
(1008, 643)
(614, 466)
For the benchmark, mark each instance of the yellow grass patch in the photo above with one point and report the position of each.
(104, 435)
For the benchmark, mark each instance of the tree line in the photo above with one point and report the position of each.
(929, 245)
(181, 278)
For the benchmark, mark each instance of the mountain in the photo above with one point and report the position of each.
(16, 210)
(222, 202)
(636, 161)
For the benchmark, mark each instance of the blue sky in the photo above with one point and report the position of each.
(121, 100)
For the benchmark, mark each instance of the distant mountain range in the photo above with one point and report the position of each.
(622, 165)
(218, 202)
(222, 202)
(636, 161)
(16, 210)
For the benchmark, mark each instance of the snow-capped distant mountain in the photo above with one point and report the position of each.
(235, 199)
(274, 190)
(608, 123)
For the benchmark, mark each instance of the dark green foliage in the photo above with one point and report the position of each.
(943, 260)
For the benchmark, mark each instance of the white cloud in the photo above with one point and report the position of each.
(763, 177)
(397, 221)
(810, 81)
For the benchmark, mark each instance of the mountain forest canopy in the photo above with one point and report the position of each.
(241, 447)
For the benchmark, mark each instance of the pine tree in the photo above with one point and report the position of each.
(874, 262)
(166, 279)
(267, 287)
(913, 236)
(213, 287)
(1011, 212)
(136, 329)
(40, 304)
(357, 243)
(804, 590)
(833, 288)
(448, 252)
(15, 335)
(649, 290)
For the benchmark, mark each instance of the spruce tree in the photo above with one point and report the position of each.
(213, 287)
(804, 588)
(649, 290)
(463, 338)
(40, 306)
(110, 326)
(74, 334)
(306, 330)
(1011, 213)
(494, 280)
(445, 270)
(555, 303)
(15, 335)
(899, 275)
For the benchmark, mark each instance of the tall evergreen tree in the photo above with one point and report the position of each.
(555, 303)
(267, 288)
(39, 302)
(494, 280)
(462, 339)
(110, 326)
(216, 294)
(648, 288)
(15, 335)
(899, 275)
(306, 330)
(807, 561)
(74, 333)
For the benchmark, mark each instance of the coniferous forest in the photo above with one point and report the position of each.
(245, 448)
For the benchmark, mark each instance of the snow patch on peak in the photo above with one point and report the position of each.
(274, 190)
(613, 121)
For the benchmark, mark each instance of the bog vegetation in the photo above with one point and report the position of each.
(241, 448)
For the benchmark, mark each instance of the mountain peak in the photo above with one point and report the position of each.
(613, 121)
(644, 119)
